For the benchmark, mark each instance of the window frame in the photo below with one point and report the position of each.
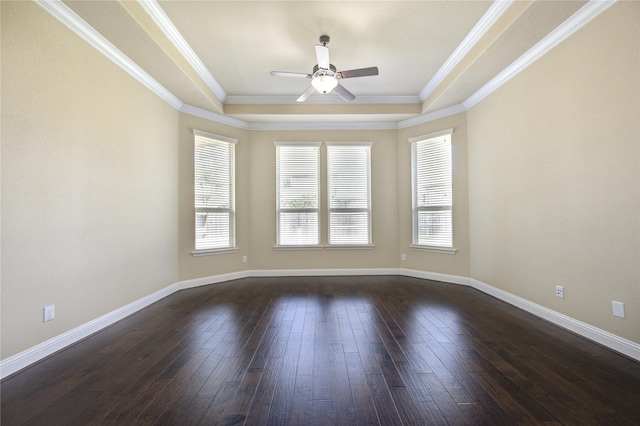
(367, 209)
(446, 137)
(279, 210)
(230, 144)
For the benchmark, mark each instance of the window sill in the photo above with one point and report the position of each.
(351, 246)
(310, 247)
(445, 250)
(329, 247)
(209, 252)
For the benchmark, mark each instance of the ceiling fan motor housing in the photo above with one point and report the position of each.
(316, 68)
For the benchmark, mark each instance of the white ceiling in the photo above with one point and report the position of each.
(214, 58)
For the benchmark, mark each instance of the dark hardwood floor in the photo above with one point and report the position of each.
(328, 350)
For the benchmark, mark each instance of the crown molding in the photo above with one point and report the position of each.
(352, 125)
(431, 116)
(477, 32)
(165, 24)
(576, 21)
(212, 116)
(384, 125)
(76, 24)
(322, 100)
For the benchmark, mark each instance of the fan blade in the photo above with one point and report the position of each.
(289, 74)
(361, 72)
(344, 93)
(306, 94)
(322, 53)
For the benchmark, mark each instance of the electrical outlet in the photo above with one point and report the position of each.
(49, 313)
(618, 309)
(404, 256)
(560, 291)
(244, 259)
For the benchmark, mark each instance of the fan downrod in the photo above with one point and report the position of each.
(325, 39)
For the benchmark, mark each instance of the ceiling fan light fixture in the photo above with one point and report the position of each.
(324, 83)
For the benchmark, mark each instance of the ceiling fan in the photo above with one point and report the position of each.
(324, 77)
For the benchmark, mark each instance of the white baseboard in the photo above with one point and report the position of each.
(32, 355)
(36, 353)
(610, 340)
(322, 272)
(434, 276)
(215, 279)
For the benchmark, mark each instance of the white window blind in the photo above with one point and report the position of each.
(214, 176)
(432, 190)
(298, 194)
(349, 191)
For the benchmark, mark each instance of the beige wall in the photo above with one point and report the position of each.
(452, 264)
(255, 204)
(89, 182)
(554, 189)
(383, 203)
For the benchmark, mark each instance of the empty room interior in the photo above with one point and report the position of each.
(385, 212)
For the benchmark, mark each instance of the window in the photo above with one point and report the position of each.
(298, 194)
(349, 190)
(432, 191)
(214, 176)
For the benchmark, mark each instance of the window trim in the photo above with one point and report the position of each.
(232, 210)
(434, 249)
(209, 252)
(425, 247)
(368, 209)
(317, 210)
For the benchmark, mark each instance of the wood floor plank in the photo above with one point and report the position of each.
(140, 392)
(322, 413)
(453, 412)
(383, 400)
(284, 393)
(67, 409)
(215, 413)
(307, 345)
(261, 405)
(514, 402)
(384, 350)
(238, 407)
(302, 405)
(178, 389)
(420, 395)
(363, 409)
